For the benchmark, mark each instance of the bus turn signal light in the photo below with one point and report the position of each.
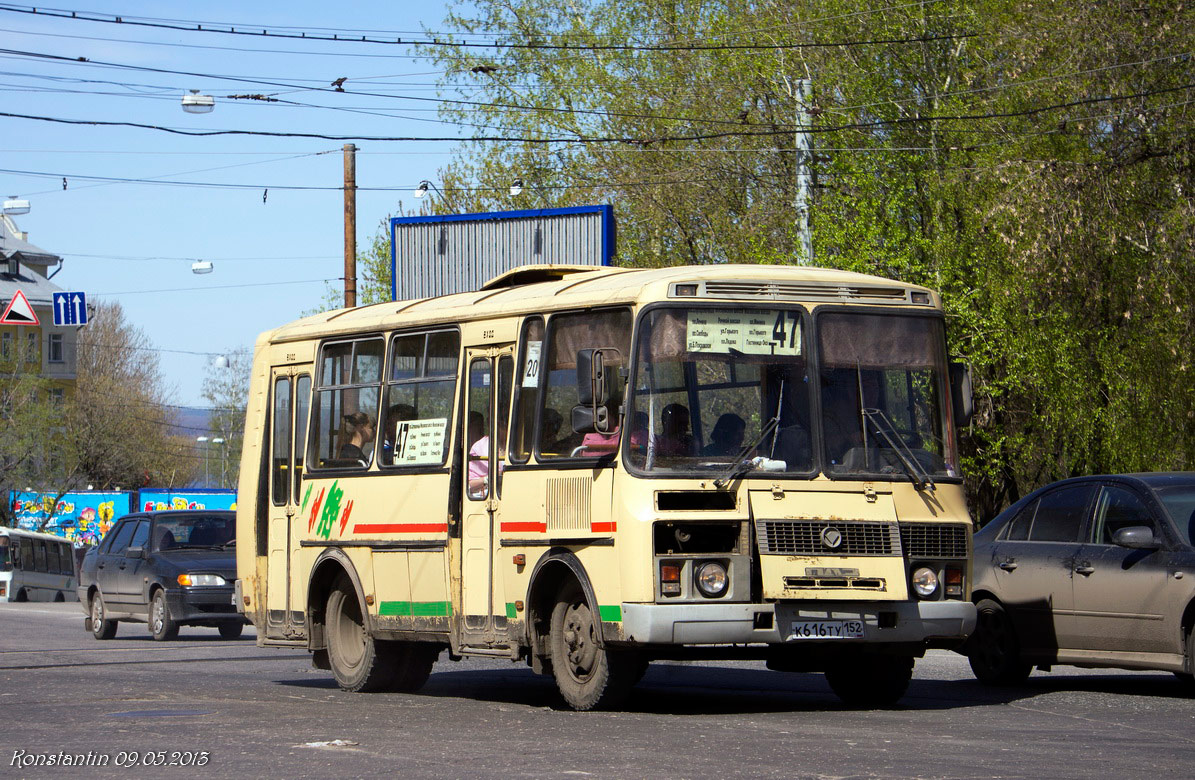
(670, 579)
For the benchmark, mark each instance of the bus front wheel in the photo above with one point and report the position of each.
(100, 627)
(359, 662)
(588, 675)
(871, 680)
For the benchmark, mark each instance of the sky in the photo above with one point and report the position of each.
(275, 253)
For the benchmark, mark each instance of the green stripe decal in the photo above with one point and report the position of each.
(610, 614)
(415, 608)
(511, 614)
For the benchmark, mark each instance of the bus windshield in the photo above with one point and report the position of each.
(5, 560)
(717, 389)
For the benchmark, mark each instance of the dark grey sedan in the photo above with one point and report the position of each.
(1093, 572)
(168, 569)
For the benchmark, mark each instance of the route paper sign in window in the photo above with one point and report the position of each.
(420, 441)
(744, 332)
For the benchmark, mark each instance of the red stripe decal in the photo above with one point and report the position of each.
(535, 527)
(344, 518)
(315, 510)
(603, 527)
(400, 528)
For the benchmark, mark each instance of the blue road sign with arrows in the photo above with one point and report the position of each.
(70, 308)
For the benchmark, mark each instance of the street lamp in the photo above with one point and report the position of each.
(203, 440)
(196, 103)
(223, 460)
(15, 207)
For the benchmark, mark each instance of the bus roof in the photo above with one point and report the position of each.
(543, 288)
(21, 532)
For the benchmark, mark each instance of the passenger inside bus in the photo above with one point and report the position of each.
(357, 433)
(727, 436)
(391, 447)
(674, 437)
(479, 455)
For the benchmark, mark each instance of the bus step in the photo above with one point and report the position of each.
(493, 652)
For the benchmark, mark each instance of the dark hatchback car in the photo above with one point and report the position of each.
(1092, 572)
(168, 569)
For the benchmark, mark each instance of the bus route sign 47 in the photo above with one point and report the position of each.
(70, 308)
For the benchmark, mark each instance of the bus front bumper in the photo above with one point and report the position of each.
(934, 623)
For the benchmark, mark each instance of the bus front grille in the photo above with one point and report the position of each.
(824, 537)
(933, 540)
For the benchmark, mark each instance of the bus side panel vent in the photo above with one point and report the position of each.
(567, 504)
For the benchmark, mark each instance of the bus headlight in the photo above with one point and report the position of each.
(187, 580)
(925, 582)
(711, 579)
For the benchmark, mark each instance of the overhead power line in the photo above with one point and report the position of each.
(265, 31)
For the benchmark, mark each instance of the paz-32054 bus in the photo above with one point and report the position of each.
(590, 469)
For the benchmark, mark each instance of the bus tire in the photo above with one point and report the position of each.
(22, 595)
(100, 627)
(412, 665)
(59, 598)
(231, 630)
(588, 675)
(161, 624)
(872, 680)
(359, 662)
(994, 651)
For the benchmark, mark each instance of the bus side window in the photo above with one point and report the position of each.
(526, 389)
(344, 424)
(302, 405)
(39, 555)
(280, 462)
(568, 333)
(418, 398)
(53, 565)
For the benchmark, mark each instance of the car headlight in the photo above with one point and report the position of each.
(925, 582)
(187, 580)
(711, 579)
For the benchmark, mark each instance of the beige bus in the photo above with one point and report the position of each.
(587, 469)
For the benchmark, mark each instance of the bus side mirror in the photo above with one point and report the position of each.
(598, 390)
(960, 394)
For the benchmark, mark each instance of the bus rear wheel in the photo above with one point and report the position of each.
(871, 680)
(588, 674)
(359, 662)
(100, 627)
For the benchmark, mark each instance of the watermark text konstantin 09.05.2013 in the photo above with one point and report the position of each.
(120, 758)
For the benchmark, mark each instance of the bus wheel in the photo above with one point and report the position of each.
(101, 628)
(231, 630)
(59, 598)
(412, 664)
(588, 675)
(161, 624)
(358, 661)
(22, 595)
(871, 680)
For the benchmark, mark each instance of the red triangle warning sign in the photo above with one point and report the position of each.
(19, 312)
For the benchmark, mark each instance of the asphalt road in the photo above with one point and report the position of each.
(245, 711)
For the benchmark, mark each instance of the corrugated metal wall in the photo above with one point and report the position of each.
(460, 252)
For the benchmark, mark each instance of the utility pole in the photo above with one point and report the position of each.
(350, 226)
(804, 156)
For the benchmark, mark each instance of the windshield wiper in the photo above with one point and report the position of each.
(884, 427)
(742, 463)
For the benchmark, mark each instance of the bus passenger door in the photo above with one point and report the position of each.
(290, 395)
(487, 410)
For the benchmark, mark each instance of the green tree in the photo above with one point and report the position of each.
(1034, 162)
(226, 389)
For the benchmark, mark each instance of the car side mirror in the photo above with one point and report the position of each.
(135, 552)
(599, 390)
(961, 394)
(1137, 537)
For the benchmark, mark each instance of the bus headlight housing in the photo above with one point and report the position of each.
(187, 580)
(925, 582)
(711, 579)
